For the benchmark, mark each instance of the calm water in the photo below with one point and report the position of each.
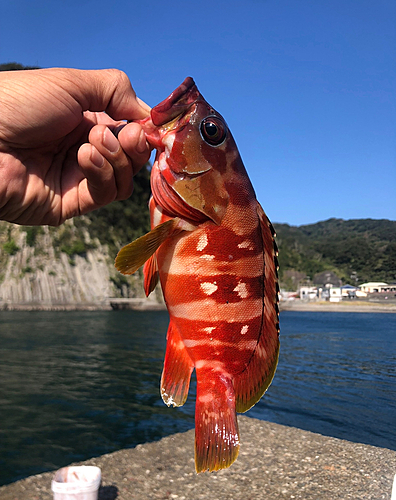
(74, 385)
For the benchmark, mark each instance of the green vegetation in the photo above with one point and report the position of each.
(78, 247)
(31, 234)
(27, 269)
(10, 247)
(355, 250)
(13, 66)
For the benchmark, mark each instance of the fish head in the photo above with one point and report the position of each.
(194, 152)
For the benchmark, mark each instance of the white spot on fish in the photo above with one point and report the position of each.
(202, 242)
(249, 345)
(246, 244)
(205, 398)
(192, 343)
(209, 288)
(207, 257)
(210, 308)
(244, 329)
(217, 366)
(208, 329)
(242, 290)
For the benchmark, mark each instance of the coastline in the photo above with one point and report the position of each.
(143, 304)
(135, 304)
(275, 461)
(344, 306)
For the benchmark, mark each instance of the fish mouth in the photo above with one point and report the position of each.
(176, 104)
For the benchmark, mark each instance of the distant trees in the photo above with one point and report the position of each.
(355, 250)
(12, 66)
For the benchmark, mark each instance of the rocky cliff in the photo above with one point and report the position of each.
(60, 268)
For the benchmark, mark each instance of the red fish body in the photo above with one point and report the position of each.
(212, 247)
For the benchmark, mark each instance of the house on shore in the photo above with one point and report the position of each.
(377, 287)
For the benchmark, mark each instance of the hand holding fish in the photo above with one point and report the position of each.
(59, 153)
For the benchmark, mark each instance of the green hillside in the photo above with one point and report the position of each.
(356, 250)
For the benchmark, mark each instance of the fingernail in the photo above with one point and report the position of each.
(142, 146)
(96, 158)
(110, 142)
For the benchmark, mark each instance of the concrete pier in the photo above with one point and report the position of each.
(275, 462)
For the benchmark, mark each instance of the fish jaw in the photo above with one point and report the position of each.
(178, 102)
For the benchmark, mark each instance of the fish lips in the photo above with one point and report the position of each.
(177, 104)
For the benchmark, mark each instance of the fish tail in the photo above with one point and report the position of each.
(216, 425)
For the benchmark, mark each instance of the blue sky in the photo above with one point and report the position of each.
(306, 86)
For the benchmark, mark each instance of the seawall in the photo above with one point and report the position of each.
(275, 462)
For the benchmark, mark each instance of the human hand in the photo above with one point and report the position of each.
(58, 155)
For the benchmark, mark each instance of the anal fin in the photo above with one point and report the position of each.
(176, 374)
(216, 425)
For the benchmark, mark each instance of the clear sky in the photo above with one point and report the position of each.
(306, 86)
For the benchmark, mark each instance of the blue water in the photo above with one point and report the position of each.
(79, 384)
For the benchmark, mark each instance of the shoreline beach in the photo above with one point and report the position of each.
(150, 305)
(344, 306)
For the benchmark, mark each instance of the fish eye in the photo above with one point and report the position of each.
(213, 130)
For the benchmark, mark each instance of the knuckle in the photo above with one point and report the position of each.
(119, 77)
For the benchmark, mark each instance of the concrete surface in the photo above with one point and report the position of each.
(275, 462)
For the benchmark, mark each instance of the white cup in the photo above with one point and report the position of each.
(76, 483)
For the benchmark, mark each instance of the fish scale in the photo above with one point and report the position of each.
(212, 248)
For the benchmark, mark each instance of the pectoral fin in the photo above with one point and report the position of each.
(134, 255)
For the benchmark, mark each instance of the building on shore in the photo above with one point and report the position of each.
(377, 287)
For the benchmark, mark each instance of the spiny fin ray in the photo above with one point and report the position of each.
(252, 383)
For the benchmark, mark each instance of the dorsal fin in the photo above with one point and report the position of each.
(251, 384)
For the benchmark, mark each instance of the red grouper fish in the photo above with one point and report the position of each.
(212, 247)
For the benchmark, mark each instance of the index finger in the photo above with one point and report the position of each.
(108, 90)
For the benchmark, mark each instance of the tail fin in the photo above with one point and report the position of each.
(216, 425)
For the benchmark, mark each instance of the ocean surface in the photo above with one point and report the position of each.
(74, 385)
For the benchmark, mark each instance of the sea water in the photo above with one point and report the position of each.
(79, 384)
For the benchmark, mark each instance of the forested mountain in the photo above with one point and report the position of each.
(356, 250)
